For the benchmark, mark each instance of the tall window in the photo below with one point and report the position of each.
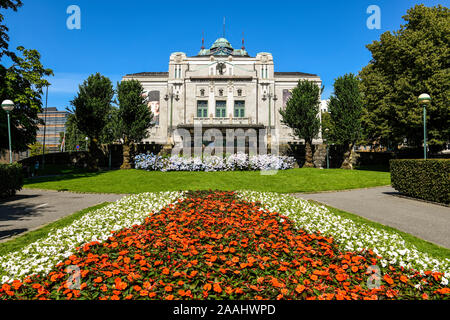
(202, 109)
(221, 109)
(239, 109)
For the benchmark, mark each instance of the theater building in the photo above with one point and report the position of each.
(220, 87)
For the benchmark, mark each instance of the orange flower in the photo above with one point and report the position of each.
(388, 279)
(300, 288)
(341, 277)
(194, 273)
(168, 288)
(137, 288)
(207, 287)
(355, 269)
(120, 285)
(217, 288)
(443, 291)
(403, 279)
(98, 279)
(165, 271)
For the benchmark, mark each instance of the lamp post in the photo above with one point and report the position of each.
(170, 96)
(8, 106)
(326, 139)
(270, 96)
(45, 127)
(424, 100)
(87, 138)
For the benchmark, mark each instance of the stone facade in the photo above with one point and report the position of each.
(221, 87)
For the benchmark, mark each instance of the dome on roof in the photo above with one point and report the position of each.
(222, 47)
(221, 43)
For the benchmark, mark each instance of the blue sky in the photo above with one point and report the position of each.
(327, 38)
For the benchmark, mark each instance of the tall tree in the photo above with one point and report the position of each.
(405, 63)
(74, 136)
(302, 114)
(345, 108)
(22, 79)
(91, 108)
(4, 38)
(135, 116)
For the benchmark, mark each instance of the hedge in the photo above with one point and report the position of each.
(423, 179)
(11, 179)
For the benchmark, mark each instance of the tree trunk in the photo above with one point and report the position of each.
(93, 155)
(126, 155)
(308, 155)
(347, 164)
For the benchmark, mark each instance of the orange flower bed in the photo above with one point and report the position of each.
(213, 246)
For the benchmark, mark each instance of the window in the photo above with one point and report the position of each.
(202, 109)
(239, 109)
(221, 109)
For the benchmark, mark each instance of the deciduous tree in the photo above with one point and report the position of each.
(302, 114)
(405, 63)
(91, 108)
(134, 116)
(345, 109)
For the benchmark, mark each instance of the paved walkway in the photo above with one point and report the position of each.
(32, 208)
(424, 220)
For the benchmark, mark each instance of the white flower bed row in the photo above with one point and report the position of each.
(350, 236)
(233, 162)
(40, 256)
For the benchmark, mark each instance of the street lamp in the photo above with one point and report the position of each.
(170, 96)
(424, 100)
(8, 106)
(326, 139)
(86, 143)
(270, 96)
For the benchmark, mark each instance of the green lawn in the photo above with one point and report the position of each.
(284, 181)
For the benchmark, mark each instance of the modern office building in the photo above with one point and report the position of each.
(55, 123)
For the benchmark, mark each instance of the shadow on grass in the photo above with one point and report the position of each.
(379, 168)
(4, 234)
(61, 177)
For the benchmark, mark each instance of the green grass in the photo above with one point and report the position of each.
(57, 169)
(424, 246)
(21, 241)
(285, 181)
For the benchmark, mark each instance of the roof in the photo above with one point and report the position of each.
(295, 74)
(148, 74)
(166, 74)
